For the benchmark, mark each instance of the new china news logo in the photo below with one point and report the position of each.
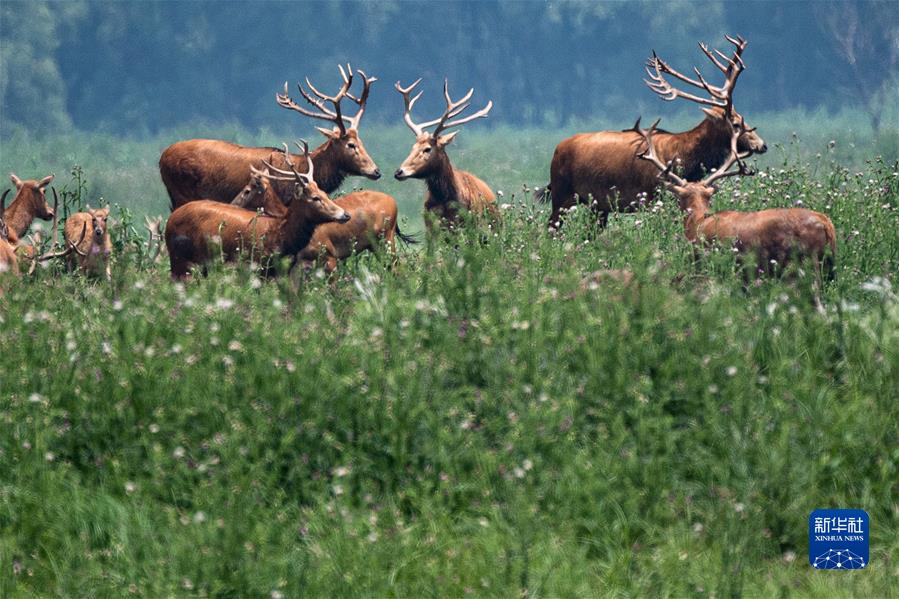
(838, 539)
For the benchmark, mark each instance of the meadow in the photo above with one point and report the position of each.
(482, 418)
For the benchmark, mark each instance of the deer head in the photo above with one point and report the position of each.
(307, 199)
(719, 103)
(695, 196)
(344, 134)
(32, 195)
(429, 149)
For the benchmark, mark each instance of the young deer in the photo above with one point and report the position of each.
(449, 189)
(90, 253)
(217, 170)
(30, 202)
(259, 193)
(774, 237)
(192, 227)
(602, 165)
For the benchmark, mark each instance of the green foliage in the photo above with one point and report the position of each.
(479, 418)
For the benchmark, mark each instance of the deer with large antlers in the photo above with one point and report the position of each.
(449, 189)
(218, 170)
(194, 227)
(602, 167)
(774, 237)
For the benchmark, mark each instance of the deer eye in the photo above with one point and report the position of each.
(427, 150)
(351, 145)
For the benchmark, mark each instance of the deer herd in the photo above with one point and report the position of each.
(229, 200)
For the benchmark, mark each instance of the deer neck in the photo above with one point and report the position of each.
(703, 148)
(696, 213)
(295, 230)
(326, 161)
(441, 181)
(18, 217)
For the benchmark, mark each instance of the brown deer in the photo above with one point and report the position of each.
(373, 221)
(30, 202)
(603, 165)
(217, 170)
(9, 263)
(450, 190)
(192, 226)
(259, 194)
(774, 237)
(90, 253)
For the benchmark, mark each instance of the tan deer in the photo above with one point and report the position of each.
(450, 190)
(30, 202)
(192, 228)
(603, 165)
(772, 238)
(217, 170)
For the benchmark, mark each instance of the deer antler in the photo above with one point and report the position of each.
(734, 157)
(362, 99)
(73, 247)
(292, 175)
(324, 113)
(722, 96)
(4, 230)
(649, 154)
(453, 110)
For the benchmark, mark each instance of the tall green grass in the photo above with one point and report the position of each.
(478, 419)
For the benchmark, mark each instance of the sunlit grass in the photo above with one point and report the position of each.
(475, 420)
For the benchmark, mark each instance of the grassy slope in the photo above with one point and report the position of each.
(470, 421)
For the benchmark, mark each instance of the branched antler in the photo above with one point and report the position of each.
(649, 154)
(721, 96)
(453, 110)
(318, 100)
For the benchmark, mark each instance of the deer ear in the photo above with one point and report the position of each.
(15, 180)
(445, 140)
(329, 133)
(45, 181)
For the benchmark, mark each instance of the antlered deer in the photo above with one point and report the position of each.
(30, 202)
(449, 189)
(192, 226)
(774, 237)
(603, 165)
(218, 170)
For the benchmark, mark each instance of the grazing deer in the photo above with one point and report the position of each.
(30, 202)
(192, 226)
(603, 165)
(449, 189)
(217, 170)
(774, 237)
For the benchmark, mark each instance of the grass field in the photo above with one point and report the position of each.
(475, 420)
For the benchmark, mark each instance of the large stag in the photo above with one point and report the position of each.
(773, 238)
(192, 228)
(603, 165)
(449, 189)
(217, 170)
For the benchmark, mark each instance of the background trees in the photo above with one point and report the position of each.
(139, 67)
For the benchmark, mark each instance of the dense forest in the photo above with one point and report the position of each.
(136, 68)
